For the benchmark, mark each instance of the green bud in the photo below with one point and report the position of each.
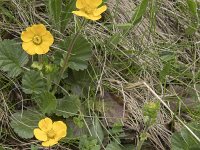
(37, 65)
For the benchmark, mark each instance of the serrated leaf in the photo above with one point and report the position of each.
(81, 52)
(68, 106)
(24, 123)
(47, 102)
(88, 143)
(33, 83)
(12, 57)
(184, 140)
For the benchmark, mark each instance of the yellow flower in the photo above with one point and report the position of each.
(36, 39)
(89, 9)
(50, 132)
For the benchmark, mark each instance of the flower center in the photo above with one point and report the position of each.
(51, 134)
(37, 40)
(88, 10)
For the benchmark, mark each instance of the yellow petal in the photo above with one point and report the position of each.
(80, 4)
(50, 142)
(27, 35)
(42, 49)
(38, 29)
(40, 135)
(93, 3)
(48, 38)
(29, 47)
(60, 129)
(100, 10)
(80, 13)
(45, 124)
(94, 18)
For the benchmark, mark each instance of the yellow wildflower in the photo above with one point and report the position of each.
(89, 9)
(36, 39)
(50, 132)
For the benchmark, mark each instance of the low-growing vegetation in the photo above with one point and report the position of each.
(99, 74)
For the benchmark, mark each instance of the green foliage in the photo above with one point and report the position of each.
(66, 13)
(192, 6)
(78, 121)
(96, 130)
(140, 11)
(68, 106)
(150, 111)
(34, 147)
(61, 12)
(113, 146)
(24, 123)
(12, 57)
(88, 143)
(194, 23)
(81, 52)
(55, 8)
(184, 140)
(117, 128)
(47, 102)
(33, 83)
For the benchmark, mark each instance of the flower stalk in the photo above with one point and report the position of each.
(67, 57)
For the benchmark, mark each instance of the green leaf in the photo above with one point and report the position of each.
(88, 143)
(192, 6)
(33, 83)
(1, 147)
(81, 52)
(55, 9)
(68, 106)
(140, 11)
(47, 102)
(67, 13)
(113, 146)
(24, 123)
(12, 57)
(33, 147)
(97, 131)
(184, 140)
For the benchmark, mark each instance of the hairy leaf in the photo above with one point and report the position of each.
(81, 52)
(33, 83)
(12, 57)
(68, 106)
(47, 102)
(24, 123)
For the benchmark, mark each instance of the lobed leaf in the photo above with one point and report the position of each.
(33, 83)
(24, 123)
(47, 102)
(68, 106)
